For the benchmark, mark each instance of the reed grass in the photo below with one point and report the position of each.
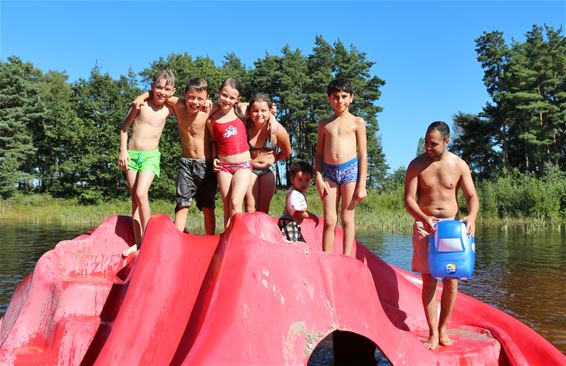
(381, 211)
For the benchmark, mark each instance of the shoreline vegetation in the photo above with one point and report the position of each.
(381, 212)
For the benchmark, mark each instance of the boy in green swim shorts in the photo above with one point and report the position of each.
(140, 156)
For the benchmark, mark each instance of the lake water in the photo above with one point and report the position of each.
(520, 273)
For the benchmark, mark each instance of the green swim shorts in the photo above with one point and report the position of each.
(144, 160)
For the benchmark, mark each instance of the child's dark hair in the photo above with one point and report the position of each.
(442, 127)
(198, 84)
(234, 84)
(340, 85)
(258, 98)
(300, 166)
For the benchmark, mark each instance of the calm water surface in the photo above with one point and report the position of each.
(519, 273)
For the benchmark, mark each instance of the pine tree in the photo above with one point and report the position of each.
(20, 117)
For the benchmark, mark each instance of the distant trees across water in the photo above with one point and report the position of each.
(61, 138)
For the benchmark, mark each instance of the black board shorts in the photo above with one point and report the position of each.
(196, 179)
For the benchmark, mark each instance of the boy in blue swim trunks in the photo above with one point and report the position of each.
(341, 164)
(140, 156)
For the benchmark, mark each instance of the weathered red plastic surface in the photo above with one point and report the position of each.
(245, 297)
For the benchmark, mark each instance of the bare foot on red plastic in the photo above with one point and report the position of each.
(445, 340)
(432, 342)
(130, 250)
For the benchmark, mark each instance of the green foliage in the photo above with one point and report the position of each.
(21, 112)
(525, 126)
(70, 149)
(517, 195)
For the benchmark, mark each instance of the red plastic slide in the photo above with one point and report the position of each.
(244, 297)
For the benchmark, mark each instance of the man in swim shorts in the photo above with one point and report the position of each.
(431, 186)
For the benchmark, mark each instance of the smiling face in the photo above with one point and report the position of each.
(227, 97)
(340, 101)
(161, 91)
(435, 145)
(301, 181)
(259, 112)
(195, 99)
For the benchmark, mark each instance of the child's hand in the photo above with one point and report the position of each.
(360, 194)
(314, 218)
(322, 186)
(207, 106)
(123, 160)
(216, 165)
(138, 102)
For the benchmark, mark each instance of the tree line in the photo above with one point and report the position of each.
(62, 137)
(524, 126)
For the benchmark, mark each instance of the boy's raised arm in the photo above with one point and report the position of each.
(140, 100)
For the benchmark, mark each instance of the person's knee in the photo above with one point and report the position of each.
(142, 196)
(347, 219)
(330, 220)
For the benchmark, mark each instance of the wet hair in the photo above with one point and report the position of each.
(166, 75)
(257, 98)
(198, 84)
(441, 127)
(234, 84)
(340, 85)
(300, 166)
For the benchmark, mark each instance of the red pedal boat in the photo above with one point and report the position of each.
(245, 297)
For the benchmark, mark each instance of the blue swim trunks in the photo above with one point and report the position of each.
(341, 174)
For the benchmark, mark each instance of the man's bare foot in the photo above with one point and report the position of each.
(445, 340)
(130, 250)
(432, 342)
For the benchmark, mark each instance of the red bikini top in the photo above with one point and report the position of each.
(231, 137)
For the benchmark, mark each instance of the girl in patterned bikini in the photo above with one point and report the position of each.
(268, 143)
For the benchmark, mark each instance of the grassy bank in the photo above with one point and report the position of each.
(379, 212)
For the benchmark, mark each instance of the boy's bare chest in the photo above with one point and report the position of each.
(339, 128)
(193, 127)
(150, 116)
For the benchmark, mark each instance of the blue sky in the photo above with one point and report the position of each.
(424, 50)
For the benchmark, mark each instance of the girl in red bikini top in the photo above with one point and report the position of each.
(230, 146)
(230, 137)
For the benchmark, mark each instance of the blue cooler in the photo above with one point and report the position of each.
(451, 252)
